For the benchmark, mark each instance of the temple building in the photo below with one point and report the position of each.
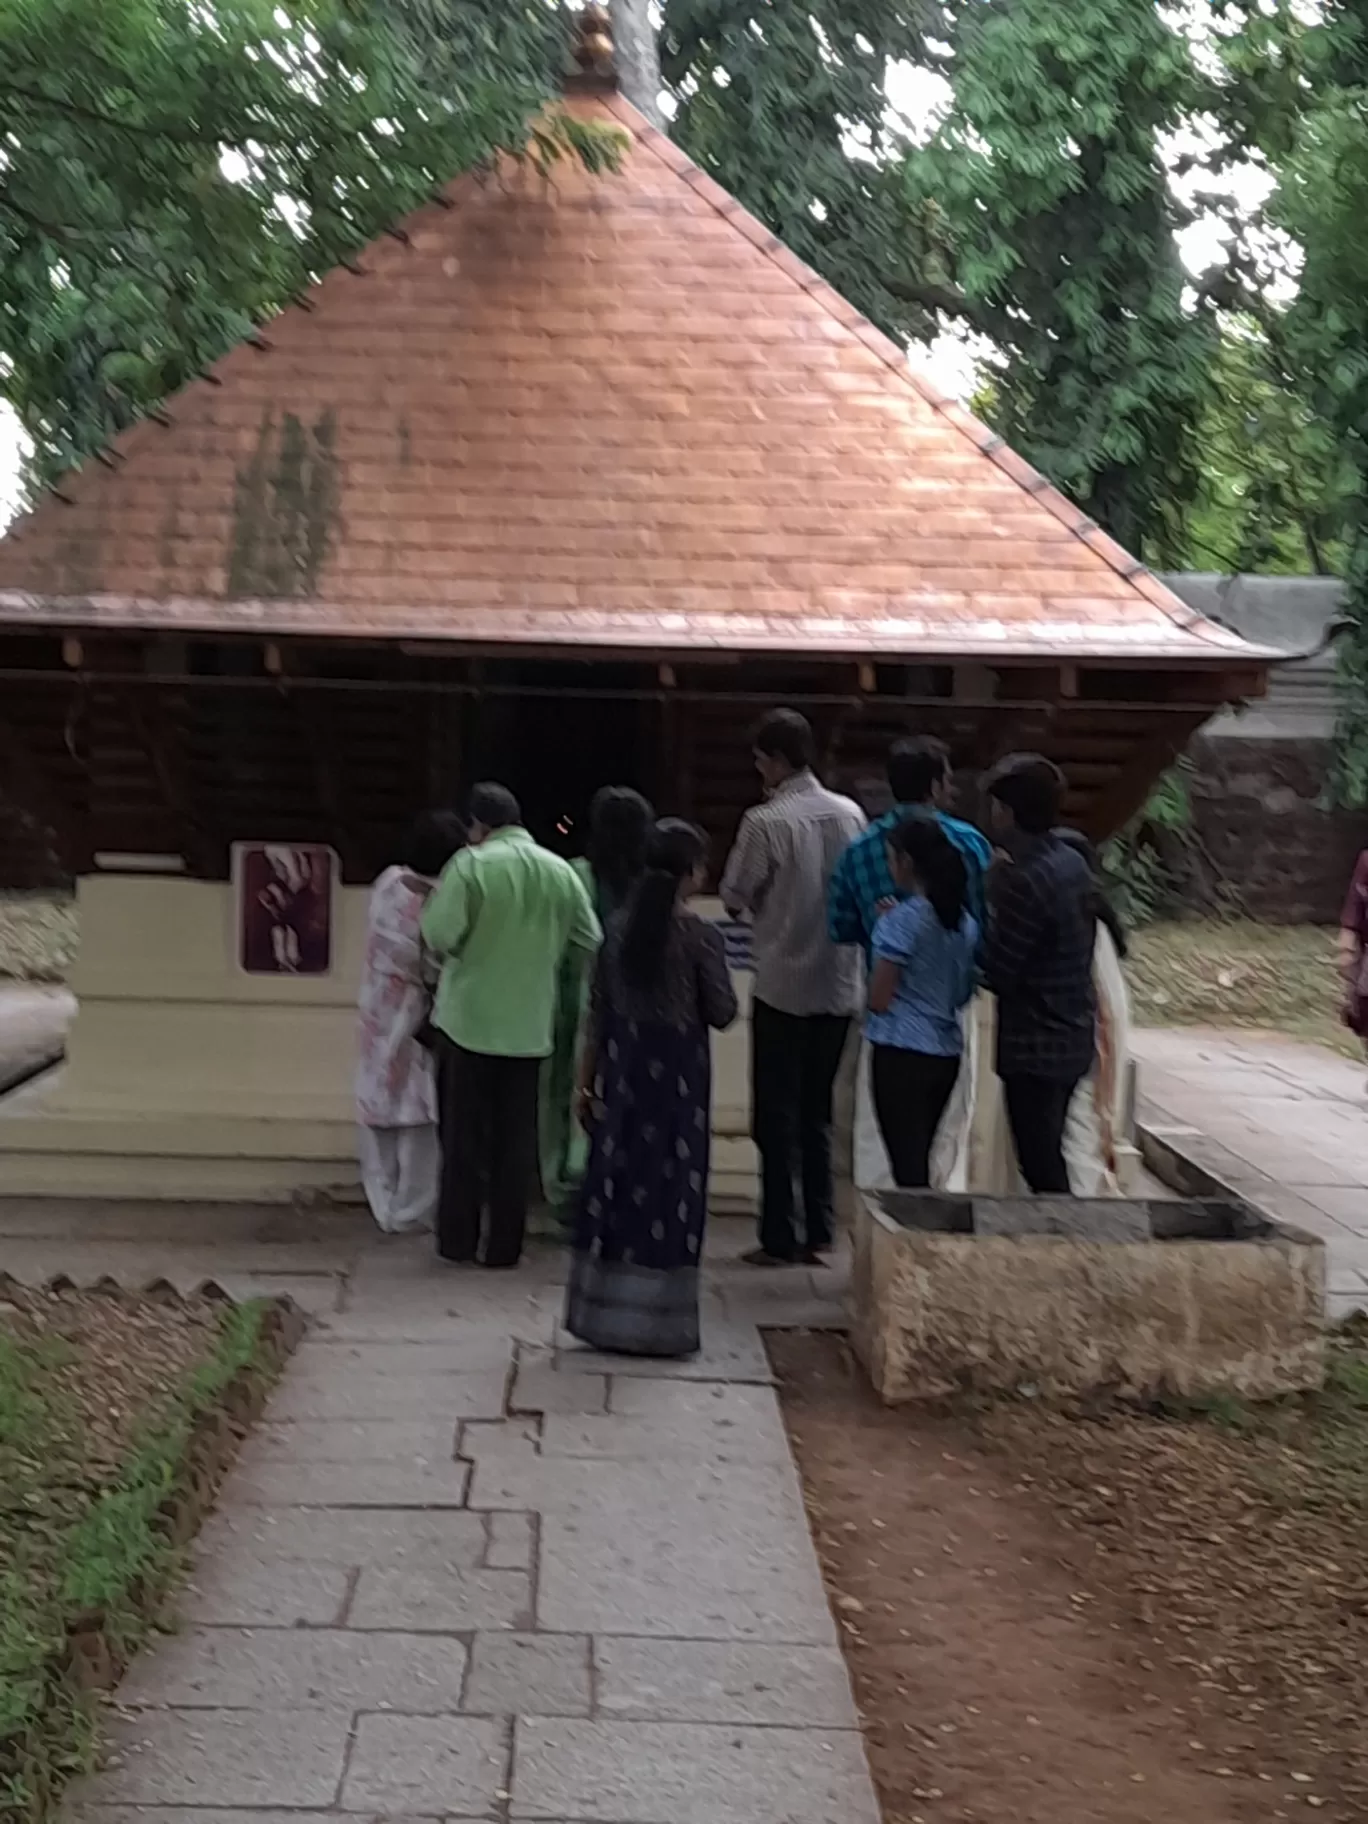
(561, 482)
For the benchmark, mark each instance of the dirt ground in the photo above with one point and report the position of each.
(1232, 972)
(1057, 1619)
(108, 1362)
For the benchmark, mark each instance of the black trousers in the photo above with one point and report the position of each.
(489, 1154)
(794, 1060)
(911, 1089)
(1036, 1112)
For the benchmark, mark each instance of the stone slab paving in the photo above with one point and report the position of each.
(1283, 1122)
(465, 1570)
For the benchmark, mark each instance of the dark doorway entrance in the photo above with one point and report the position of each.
(555, 751)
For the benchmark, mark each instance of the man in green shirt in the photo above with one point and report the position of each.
(500, 921)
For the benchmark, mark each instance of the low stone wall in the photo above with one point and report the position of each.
(1264, 836)
(939, 1305)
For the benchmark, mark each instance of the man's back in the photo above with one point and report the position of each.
(1037, 959)
(501, 919)
(862, 882)
(778, 871)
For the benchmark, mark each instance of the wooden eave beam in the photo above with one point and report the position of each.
(1114, 807)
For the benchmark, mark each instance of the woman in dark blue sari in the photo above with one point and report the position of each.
(645, 1090)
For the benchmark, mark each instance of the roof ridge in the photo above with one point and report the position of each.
(984, 439)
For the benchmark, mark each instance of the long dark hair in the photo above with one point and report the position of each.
(674, 850)
(619, 827)
(938, 865)
(430, 842)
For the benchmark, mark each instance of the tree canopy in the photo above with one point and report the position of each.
(1055, 229)
(173, 171)
(1317, 135)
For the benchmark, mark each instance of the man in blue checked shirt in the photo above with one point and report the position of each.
(919, 777)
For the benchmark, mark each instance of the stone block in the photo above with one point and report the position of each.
(398, 1320)
(681, 1773)
(354, 1394)
(695, 1551)
(429, 1599)
(1079, 1218)
(299, 1669)
(403, 1484)
(934, 1312)
(232, 1758)
(73, 1813)
(528, 1675)
(402, 1765)
(542, 1389)
(345, 1537)
(727, 1430)
(242, 1590)
(326, 1354)
(703, 1681)
(512, 1542)
(350, 1441)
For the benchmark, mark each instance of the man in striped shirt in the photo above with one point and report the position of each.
(807, 988)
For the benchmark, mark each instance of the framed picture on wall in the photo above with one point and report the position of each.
(283, 895)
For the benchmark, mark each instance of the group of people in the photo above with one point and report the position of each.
(546, 1018)
(902, 919)
(527, 1017)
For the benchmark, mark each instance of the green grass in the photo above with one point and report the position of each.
(1209, 972)
(72, 1546)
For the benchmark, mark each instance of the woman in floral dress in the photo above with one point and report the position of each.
(396, 1091)
(660, 987)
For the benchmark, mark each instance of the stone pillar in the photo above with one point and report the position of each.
(638, 60)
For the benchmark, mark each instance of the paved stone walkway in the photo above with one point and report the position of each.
(464, 1571)
(1283, 1122)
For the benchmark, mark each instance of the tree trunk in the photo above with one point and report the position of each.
(638, 60)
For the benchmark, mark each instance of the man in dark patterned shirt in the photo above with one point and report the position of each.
(1037, 958)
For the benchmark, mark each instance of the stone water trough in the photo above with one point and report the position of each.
(1134, 1297)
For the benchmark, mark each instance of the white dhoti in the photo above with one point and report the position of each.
(401, 1171)
(973, 1149)
(1096, 1125)
(964, 1157)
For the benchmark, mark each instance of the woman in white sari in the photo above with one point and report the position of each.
(396, 1090)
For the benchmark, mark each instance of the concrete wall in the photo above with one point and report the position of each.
(187, 1078)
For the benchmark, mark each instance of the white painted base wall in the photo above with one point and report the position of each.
(187, 1079)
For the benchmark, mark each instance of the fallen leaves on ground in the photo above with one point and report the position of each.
(1273, 978)
(1238, 1540)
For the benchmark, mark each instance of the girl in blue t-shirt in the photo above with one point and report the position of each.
(923, 973)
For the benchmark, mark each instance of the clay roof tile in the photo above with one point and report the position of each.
(543, 410)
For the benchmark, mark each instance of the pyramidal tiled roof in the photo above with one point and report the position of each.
(610, 412)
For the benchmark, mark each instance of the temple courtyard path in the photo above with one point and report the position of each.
(463, 1572)
(1283, 1122)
